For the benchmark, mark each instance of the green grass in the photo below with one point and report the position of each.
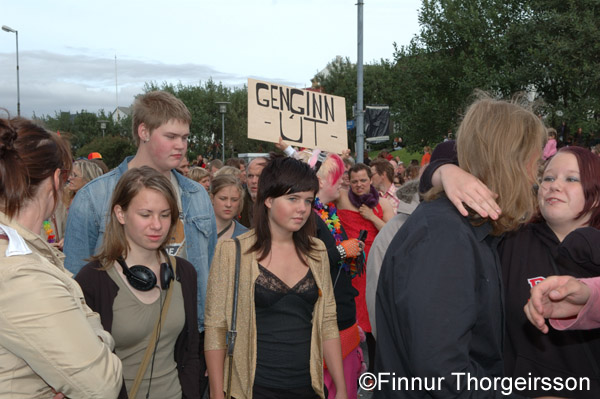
(404, 155)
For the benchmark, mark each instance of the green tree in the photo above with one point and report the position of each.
(560, 48)
(462, 46)
(83, 127)
(548, 48)
(113, 149)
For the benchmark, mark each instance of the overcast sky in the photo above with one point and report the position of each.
(67, 48)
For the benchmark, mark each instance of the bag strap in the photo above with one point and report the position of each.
(152, 342)
(232, 333)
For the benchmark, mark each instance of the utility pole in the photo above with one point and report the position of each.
(360, 113)
(116, 86)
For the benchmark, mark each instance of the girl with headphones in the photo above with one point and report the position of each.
(146, 298)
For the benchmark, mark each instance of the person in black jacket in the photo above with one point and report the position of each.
(137, 288)
(439, 305)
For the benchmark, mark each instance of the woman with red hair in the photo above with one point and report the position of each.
(343, 254)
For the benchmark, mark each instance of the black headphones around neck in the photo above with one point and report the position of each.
(143, 279)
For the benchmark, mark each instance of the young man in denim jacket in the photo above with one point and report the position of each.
(161, 125)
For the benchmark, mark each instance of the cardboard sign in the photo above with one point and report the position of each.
(302, 118)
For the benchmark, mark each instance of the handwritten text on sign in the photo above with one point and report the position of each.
(301, 117)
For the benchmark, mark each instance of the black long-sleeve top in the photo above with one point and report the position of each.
(343, 290)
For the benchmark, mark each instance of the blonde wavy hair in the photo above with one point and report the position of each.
(88, 170)
(501, 143)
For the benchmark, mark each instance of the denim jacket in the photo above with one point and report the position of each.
(89, 211)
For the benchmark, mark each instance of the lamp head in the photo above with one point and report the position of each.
(222, 106)
(8, 29)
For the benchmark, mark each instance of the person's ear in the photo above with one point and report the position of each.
(119, 213)
(57, 182)
(144, 133)
(321, 183)
(269, 202)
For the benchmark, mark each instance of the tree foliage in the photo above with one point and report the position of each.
(548, 48)
(113, 149)
(83, 130)
(561, 59)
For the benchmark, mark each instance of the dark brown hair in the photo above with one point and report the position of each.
(383, 167)
(283, 176)
(235, 162)
(358, 167)
(29, 154)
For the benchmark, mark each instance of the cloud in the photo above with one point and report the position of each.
(52, 82)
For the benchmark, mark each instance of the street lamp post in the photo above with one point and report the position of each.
(103, 126)
(223, 110)
(16, 32)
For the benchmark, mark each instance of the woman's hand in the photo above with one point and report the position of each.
(462, 187)
(59, 245)
(556, 297)
(353, 247)
(366, 212)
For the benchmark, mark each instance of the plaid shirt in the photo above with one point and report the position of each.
(390, 195)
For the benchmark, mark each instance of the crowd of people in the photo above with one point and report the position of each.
(163, 278)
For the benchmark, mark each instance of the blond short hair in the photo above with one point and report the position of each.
(197, 173)
(228, 170)
(156, 108)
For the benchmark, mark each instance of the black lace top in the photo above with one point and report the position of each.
(283, 326)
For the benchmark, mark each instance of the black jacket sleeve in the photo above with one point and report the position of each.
(187, 346)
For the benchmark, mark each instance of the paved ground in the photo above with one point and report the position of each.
(365, 394)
